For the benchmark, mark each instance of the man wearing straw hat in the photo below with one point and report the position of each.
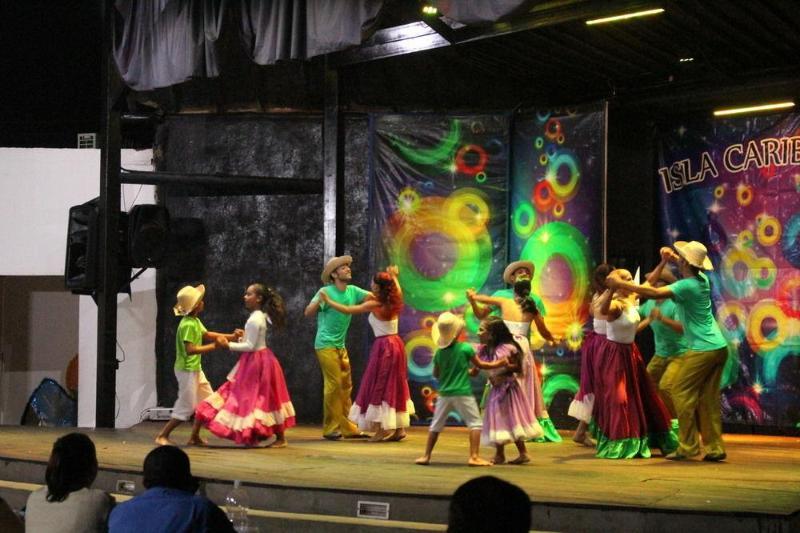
(515, 271)
(695, 388)
(329, 345)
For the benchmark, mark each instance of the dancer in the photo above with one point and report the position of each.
(451, 369)
(331, 352)
(383, 403)
(518, 313)
(695, 390)
(629, 415)
(582, 406)
(193, 387)
(508, 416)
(661, 314)
(253, 404)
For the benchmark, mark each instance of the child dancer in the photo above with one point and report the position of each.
(582, 405)
(383, 403)
(508, 416)
(193, 386)
(253, 404)
(451, 369)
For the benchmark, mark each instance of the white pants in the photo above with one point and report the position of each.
(466, 406)
(193, 388)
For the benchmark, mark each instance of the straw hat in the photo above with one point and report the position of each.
(447, 328)
(509, 271)
(695, 254)
(188, 298)
(332, 265)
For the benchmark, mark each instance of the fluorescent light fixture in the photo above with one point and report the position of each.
(428, 9)
(625, 16)
(686, 60)
(752, 109)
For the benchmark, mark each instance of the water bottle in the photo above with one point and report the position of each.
(236, 506)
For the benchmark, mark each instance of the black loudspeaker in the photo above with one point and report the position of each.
(80, 271)
(82, 260)
(148, 235)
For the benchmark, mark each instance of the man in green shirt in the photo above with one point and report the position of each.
(695, 392)
(329, 345)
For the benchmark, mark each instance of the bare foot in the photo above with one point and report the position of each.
(197, 441)
(378, 436)
(398, 435)
(477, 461)
(584, 440)
(164, 441)
(279, 443)
(424, 460)
(521, 460)
(499, 460)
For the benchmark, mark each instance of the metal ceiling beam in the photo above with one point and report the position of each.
(419, 36)
(224, 184)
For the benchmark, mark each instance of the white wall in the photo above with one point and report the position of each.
(37, 188)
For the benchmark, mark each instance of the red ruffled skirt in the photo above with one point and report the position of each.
(253, 404)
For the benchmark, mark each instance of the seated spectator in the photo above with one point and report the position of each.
(9, 521)
(489, 504)
(67, 503)
(169, 503)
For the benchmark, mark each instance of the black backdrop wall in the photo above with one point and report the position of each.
(277, 239)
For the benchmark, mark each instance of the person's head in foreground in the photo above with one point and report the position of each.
(168, 466)
(489, 504)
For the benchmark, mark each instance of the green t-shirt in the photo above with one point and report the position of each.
(509, 293)
(191, 330)
(669, 342)
(453, 365)
(693, 296)
(331, 324)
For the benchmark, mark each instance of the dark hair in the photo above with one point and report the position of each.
(487, 503)
(168, 466)
(72, 466)
(388, 295)
(500, 334)
(599, 276)
(272, 304)
(522, 288)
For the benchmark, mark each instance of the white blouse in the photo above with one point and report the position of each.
(623, 329)
(255, 334)
(381, 328)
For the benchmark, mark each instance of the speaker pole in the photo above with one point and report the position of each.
(109, 215)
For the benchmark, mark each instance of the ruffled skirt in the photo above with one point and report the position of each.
(253, 404)
(509, 415)
(629, 416)
(383, 397)
(592, 358)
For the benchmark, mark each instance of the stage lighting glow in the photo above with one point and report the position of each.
(429, 10)
(752, 109)
(625, 16)
(686, 60)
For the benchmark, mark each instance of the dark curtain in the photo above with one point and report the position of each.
(164, 42)
(301, 29)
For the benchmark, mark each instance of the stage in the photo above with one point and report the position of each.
(316, 484)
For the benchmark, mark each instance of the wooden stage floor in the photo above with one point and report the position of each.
(761, 476)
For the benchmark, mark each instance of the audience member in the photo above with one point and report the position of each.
(487, 503)
(67, 503)
(169, 504)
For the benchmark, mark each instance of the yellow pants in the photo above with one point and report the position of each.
(695, 392)
(335, 365)
(663, 371)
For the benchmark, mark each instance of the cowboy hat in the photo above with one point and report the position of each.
(188, 298)
(694, 253)
(514, 266)
(446, 328)
(332, 265)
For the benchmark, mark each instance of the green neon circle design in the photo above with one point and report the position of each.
(539, 142)
(524, 211)
(471, 269)
(559, 239)
(480, 177)
(419, 340)
(556, 383)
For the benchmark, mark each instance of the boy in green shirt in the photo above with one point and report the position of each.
(451, 368)
(193, 387)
